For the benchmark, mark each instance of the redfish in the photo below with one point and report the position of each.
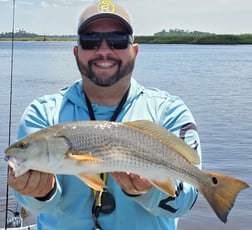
(87, 148)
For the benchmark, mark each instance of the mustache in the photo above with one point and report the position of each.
(101, 58)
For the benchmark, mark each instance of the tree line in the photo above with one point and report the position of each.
(173, 36)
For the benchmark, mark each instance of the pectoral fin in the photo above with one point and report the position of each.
(93, 181)
(82, 156)
(167, 186)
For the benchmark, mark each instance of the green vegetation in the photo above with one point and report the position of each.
(22, 35)
(25, 36)
(175, 32)
(171, 37)
(211, 39)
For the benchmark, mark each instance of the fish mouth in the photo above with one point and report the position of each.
(18, 165)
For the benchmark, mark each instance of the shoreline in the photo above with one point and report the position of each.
(212, 39)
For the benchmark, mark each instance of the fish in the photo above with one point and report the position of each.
(87, 148)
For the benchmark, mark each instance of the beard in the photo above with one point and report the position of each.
(123, 71)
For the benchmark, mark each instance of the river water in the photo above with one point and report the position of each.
(214, 81)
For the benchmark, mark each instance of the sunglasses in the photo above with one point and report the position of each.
(115, 40)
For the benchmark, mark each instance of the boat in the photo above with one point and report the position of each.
(15, 220)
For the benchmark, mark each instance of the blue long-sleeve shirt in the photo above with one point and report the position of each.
(70, 205)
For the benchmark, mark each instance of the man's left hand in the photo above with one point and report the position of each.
(132, 184)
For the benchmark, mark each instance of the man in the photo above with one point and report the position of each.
(105, 55)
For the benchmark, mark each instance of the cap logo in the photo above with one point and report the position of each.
(106, 6)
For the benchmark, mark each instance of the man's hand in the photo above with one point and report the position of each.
(32, 183)
(132, 184)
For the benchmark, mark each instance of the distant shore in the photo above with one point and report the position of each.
(211, 39)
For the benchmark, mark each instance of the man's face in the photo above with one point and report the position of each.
(105, 66)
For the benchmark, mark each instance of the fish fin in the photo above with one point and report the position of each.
(222, 194)
(93, 181)
(167, 138)
(82, 156)
(167, 186)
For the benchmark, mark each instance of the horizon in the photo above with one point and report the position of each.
(167, 31)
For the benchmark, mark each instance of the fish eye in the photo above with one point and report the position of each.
(22, 145)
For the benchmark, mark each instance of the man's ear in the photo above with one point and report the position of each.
(136, 48)
(75, 51)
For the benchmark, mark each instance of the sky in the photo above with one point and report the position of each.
(59, 17)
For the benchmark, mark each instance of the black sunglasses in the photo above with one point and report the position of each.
(115, 40)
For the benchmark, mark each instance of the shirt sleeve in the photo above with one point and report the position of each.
(39, 114)
(37, 206)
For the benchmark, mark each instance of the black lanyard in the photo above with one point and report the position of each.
(117, 111)
(104, 201)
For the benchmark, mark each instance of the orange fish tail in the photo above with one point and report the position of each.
(222, 194)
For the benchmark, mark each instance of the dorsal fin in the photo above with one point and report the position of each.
(167, 138)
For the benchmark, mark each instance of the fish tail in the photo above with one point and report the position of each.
(222, 194)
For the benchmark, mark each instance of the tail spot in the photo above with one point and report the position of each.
(215, 180)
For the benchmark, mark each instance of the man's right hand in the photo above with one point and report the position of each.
(32, 183)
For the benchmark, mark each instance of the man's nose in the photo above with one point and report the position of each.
(104, 47)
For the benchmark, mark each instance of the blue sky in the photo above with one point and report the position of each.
(58, 17)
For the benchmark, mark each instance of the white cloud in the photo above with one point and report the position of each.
(56, 3)
(62, 3)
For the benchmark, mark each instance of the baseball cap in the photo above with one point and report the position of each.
(104, 9)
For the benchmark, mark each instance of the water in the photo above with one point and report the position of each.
(214, 81)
